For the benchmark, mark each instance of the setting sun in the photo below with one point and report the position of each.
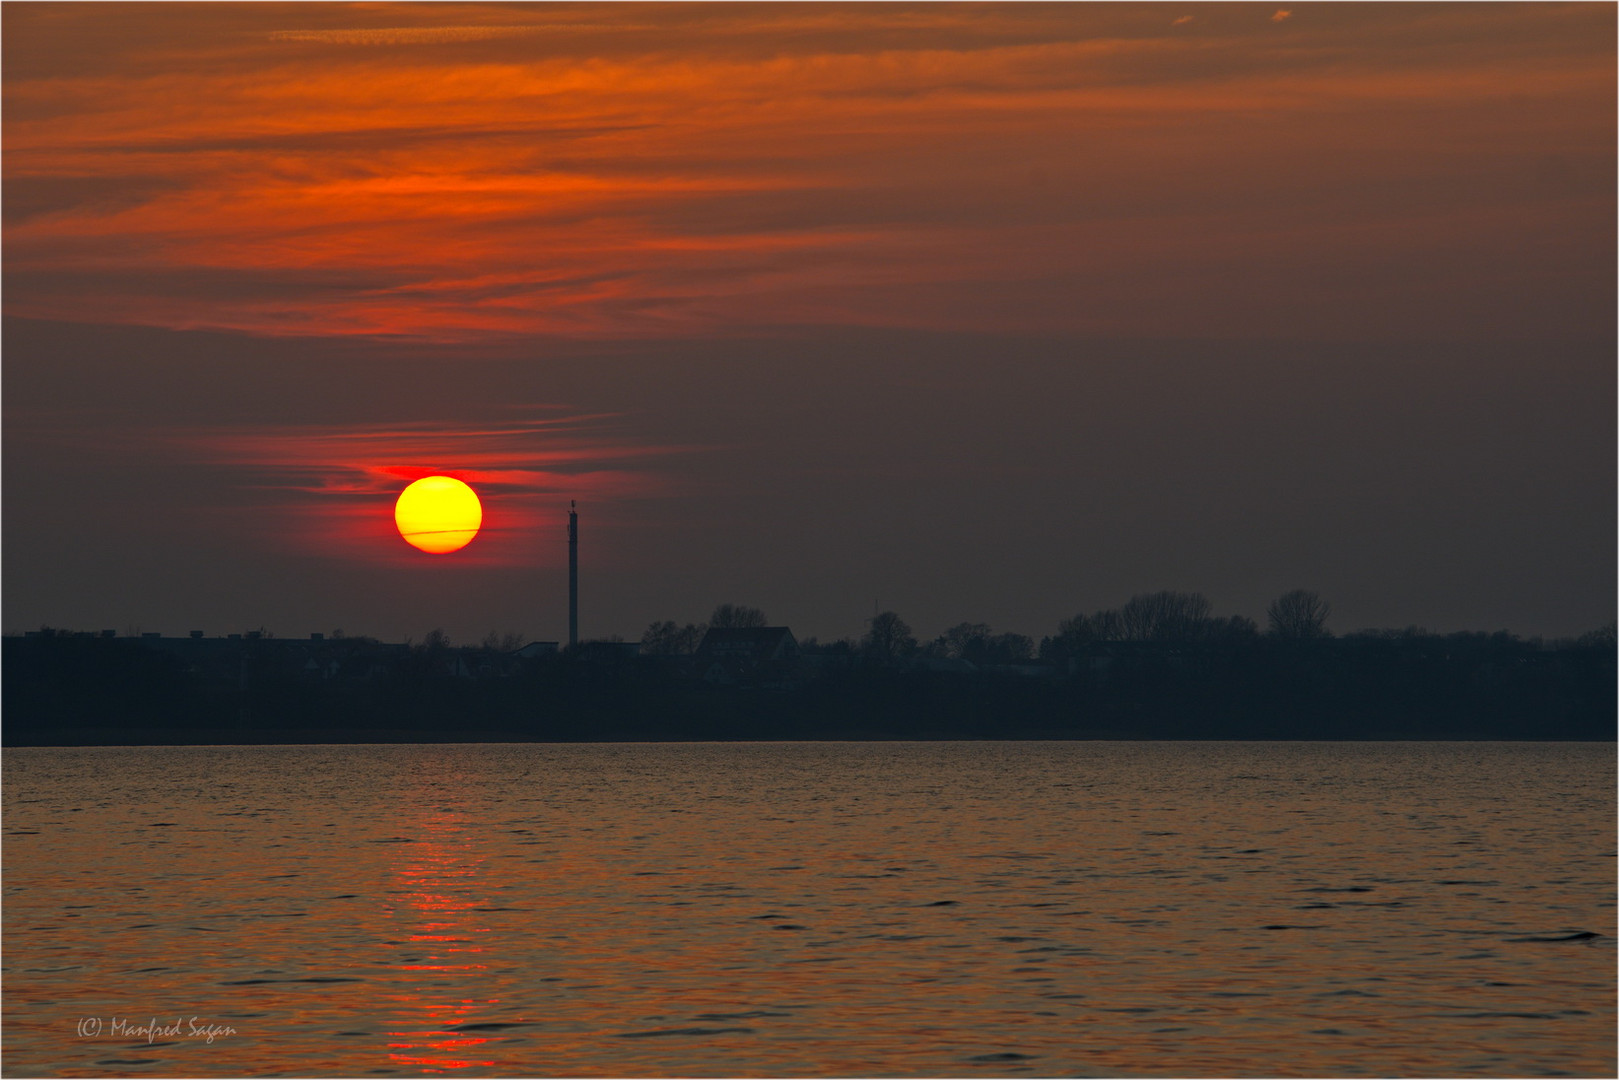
(438, 514)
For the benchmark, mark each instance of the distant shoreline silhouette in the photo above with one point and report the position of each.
(1160, 667)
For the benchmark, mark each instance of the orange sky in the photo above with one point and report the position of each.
(453, 171)
(989, 312)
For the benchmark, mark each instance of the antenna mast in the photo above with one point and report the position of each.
(573, 573)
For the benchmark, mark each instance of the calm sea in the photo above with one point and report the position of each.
(793, 909)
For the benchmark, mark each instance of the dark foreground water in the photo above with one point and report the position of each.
(851, 909)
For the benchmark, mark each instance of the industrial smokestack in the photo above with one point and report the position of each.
(573, 573)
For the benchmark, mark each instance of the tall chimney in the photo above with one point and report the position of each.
(573, 573)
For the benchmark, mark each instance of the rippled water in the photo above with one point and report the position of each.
(848, 909)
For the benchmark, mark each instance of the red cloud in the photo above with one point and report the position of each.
(971, 167)
(330, 490)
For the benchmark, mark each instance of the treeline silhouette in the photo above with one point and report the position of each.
(1162, 665)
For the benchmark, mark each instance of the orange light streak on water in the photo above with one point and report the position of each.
(439, 881)
(1217, 909)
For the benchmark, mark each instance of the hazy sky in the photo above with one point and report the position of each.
(993, 313)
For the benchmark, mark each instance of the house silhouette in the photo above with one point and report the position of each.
(735, 654)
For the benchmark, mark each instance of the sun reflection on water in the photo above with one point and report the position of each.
(742, 910)
(442, 963)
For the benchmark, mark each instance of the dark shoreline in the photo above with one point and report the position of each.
(446, 738)
(91, 691)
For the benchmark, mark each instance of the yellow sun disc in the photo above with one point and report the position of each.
(438, 514)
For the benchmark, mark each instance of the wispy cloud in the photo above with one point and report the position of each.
(337, 484)
(404, 35)
(693, 170)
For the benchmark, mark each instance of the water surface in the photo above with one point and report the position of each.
(854, 909)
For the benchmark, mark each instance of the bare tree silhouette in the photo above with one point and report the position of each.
(510, 641)
(668, 639)
(979, 644)
(1300, 615)
(1165, 616)
(1600, 638)
(737, 616)
(959, 640)
(889, 640)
